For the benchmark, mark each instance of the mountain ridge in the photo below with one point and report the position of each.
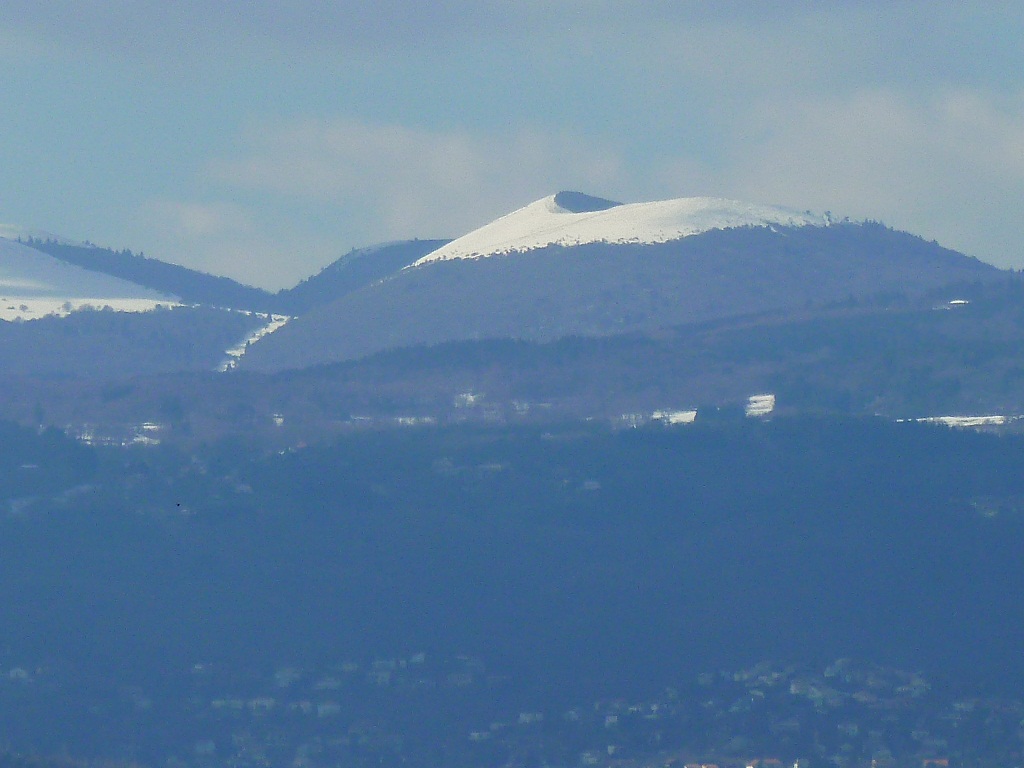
(356, 269)
(601, 288)
(190, 285)
(34, 284)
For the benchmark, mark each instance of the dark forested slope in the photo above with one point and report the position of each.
(577, 558)
(145, 591)
(189, 285)
(104, 344)
(356, 269)
(895, 358)
(603, 289)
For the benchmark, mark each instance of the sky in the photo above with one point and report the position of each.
(262, 140)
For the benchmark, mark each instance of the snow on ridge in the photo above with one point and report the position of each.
(237, 352)
(544, 223)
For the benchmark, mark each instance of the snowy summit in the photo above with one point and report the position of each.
(572, 218)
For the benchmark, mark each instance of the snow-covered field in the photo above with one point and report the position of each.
(34, 284)
(545, 222)
(25, 308)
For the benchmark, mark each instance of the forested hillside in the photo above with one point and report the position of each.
(104, 344)
(356, 269)
(605, 289)
(892, 356)
(189, 285)
(573, 565)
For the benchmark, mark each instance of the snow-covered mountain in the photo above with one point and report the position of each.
(34, 284)
(575, 265)
(572, 218)
(566, 265)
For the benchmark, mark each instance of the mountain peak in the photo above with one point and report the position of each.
(574, 218)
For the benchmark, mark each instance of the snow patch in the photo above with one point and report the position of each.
(22, 308)
(235, 353)
(544, 223)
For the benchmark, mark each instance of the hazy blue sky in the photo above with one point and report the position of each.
(264, 139)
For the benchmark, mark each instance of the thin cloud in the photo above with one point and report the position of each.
(360, 184)
(949, 166)
(227, 238)
(372, 121)
(406, 182)
(191, 25)
(873, 154)
(192, 220)
(145, 27)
